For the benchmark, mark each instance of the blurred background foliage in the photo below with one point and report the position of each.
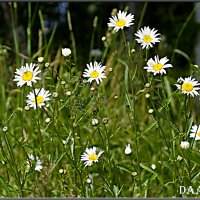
(166, 17)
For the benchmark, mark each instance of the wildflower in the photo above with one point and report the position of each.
(5, 128)
(62, 171)
(147, 37)
(188, 86)
(184, 145)
(38, 166)
(55, 94)
(195, 132)
(90, 156)
(103, 38)
(105, 120)
(26, 75)
(88, 180)
(132, 50)
(157, 66)
(121, 20)
(95, 122)
(153, 166)
(41, 96)
(179, 158)
(47, 120)
(147, 85)
(26, 108)
(147, 95)
(134, 173)
(46, 64)
(40, 59)
(116, 97)
(94, 72)
(110, 69)
(92, 88)
(66, 52)
(150, 111)
(69, 93)
(63, 82)
(128, 149)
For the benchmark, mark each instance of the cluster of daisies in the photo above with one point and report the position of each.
(95, 71)
(27, 75)
(146, 37)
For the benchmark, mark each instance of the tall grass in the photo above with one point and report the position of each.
(132, 106)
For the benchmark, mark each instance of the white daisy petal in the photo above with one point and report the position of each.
(147, 37)
(195, 132)
(95, 72)
(39, 96)
(157, 66)
(121, 20)
(188, 86)
(27, 75)
(90, 156)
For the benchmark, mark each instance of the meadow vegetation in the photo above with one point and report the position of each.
(124, 126)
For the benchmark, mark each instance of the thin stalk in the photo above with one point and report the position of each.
(140, 20)
(15, 37)
(72, 37)
(183, 28)
(38, 122)
(93, 36)
(29, 32)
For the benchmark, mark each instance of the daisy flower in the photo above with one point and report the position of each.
(195, 132)
(157, 66)
(90, 156)
(94, 72)
(39, 96)
(188, 86)
(147, 37)
(121, 20)
(38, 163)
(26, 75)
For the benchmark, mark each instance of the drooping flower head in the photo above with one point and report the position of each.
(121, 20)
(38, 163)
(128, 149)
(157, 66)
(94, 72)
(37, 98)
(26, 75)
(147, 37)
(188, 86)
(90, 156)
(195, 132)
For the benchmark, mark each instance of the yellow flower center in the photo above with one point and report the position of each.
(147, 38)
(198, 134)
(93, 157)
(94, 74)
(27, 76)
(157, 67)
(187, 87)
(120, 23)
(39, 100)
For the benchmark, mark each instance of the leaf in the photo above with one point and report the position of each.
(150, 127)
(167, 165)
(178, 51)
(153, 172)
(192, 156)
